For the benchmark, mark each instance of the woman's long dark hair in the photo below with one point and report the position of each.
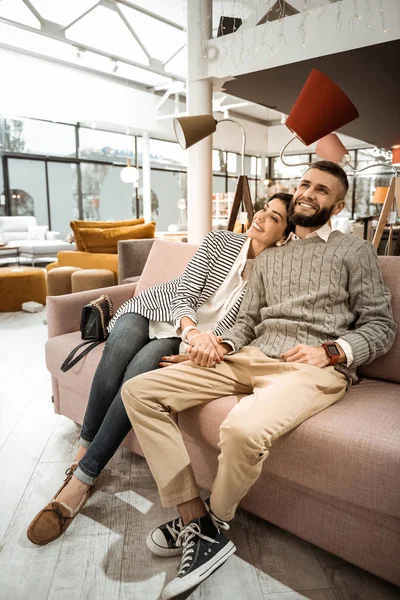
(287, 199)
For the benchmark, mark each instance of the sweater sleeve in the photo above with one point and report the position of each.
(185, 301)
(243, 332)
(374, 328)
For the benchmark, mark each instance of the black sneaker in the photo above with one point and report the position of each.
(204, 549)
(163, 540)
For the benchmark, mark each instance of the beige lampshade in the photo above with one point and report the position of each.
(331, 148)
(190, 130)
(380, 195)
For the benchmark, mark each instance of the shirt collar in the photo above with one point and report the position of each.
(323, 232)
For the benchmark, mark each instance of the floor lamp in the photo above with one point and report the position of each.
(190, 130)
(331, 148)
(320, 108)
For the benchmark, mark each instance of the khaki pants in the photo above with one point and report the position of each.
(282, 395)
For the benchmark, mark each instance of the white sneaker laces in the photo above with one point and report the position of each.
(186, 537)
(175, 528)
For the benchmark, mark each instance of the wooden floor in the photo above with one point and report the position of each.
(102, 555)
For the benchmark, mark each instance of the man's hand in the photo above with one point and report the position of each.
(206, 353)
(173, 359)
(317, 357)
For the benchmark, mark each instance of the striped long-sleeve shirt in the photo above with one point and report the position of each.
(182, 296)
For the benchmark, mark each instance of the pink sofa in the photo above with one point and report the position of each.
(334, 481)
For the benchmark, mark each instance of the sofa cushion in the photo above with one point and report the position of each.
(166, 260)
(387, 367)
(336, 452)
(76, 226)
(80, 377)
(43, 247)
(106, 240)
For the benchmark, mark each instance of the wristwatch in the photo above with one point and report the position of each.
(332, 351)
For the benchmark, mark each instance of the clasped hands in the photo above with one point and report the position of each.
(205, 349)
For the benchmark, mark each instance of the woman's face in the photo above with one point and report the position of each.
(269, 224)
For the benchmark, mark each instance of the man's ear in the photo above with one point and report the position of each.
(338, 207)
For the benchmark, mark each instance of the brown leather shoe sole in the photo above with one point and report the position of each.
(53, 520)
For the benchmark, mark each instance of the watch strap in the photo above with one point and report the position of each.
(333, 358)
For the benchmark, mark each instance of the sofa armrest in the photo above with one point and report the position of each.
(132, 256)
(64, 312)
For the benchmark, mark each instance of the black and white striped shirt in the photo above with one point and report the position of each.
(182, 296)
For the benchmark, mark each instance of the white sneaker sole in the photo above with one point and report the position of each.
(178, 586)
(159, 550)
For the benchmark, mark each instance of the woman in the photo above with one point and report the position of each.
(194, 308)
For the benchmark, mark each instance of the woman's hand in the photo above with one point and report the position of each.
(173, 359)
(206, 340)
(206, 354)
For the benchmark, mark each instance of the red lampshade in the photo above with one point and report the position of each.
(320, 108)
(396, 155)
(331, 148)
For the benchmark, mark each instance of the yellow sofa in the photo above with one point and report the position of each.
(86, 260)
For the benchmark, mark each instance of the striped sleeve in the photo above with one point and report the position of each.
(192, 282)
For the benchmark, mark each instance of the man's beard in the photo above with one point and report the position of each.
(318, 219)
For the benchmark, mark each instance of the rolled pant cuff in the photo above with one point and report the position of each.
(180, 498)
(83, 477)
(84, 443)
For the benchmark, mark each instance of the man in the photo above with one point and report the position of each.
(315, 310)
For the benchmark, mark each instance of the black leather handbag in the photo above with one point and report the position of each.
(94, 329)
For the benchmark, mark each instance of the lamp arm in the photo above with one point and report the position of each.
(378, 164)
(283, 152)
(243, 139)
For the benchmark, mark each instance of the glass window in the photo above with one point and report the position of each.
(60, 11)
(16, 10)
(167, 190)
(105, 196)
(39, 137)
(28, 192)
(63, 192)
(105, 145)
(219, 161)
(218, 184)
(365, 188)
(165, 155)
(104, 29)
(2, 192)
(233, 163)
(279, 170)
(155, 35)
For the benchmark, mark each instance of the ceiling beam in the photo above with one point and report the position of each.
(133, 33)
(89, 10)
(150, 14)
(153, 67)
(33, 10)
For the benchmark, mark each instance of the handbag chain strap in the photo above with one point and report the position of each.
(97, 304)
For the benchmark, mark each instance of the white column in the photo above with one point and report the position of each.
(199, 101)
(146, 170)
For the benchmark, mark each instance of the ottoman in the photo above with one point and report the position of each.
(90, 279)
(59, 280)
(19, 285)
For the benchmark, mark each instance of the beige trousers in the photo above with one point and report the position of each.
(282, 395)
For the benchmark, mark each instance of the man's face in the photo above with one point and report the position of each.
(316, 199)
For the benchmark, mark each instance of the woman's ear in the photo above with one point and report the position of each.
(281, 242)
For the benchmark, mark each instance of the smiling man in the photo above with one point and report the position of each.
(314, 310)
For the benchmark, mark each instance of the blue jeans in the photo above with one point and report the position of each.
(127, 352)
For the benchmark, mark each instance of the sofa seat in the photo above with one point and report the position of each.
(42, 247)
(327, 452)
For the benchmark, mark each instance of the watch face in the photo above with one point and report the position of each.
(332, 349)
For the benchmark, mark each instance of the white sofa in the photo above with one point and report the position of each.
(19, 231)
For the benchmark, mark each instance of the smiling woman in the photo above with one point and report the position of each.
(270, 225)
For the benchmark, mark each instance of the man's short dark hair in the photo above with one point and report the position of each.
(330, 167)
